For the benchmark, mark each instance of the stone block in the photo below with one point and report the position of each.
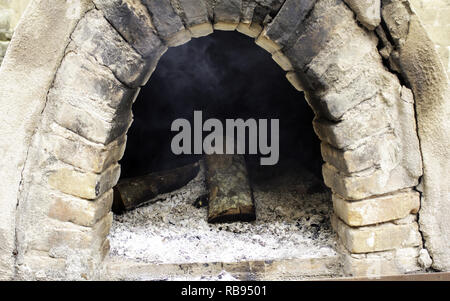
(377, 209)
(286, 23)
(90, 126)
(367, 12)
(95, 36)
(82, 212)
(72, 149)
(368, 183)
(193, 12)
(282, 61)
(267, 44)
(387, 263)
(85, 185)
(377, 238)
(293, 78)
(317, 30)
(86, 84)
(367, 119)
(252, 30)
(168, 24)
(377, 151)
(226, 14)
(201, 30)
(132, 21)
(247, 11)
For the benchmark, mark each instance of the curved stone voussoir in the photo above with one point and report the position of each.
(286, 23)
(194, 14)
(83, 82)
(317, 30)
(131, 19)
(168, 24)
(227, 14)
(95, 36)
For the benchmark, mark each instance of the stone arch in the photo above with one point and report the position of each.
(364, 117)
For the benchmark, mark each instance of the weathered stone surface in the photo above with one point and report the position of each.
(91, 126)
(386, 263)
(368, 183)
(421, 67)
(97, 37)
(201, 30)
(247, 11)
(295, 81)
(227, 11)
(167, 22)
(101, 92)
(378, 209)
(267, 44)
(377, 238)
(367, 12)
(25, 79)
(194, 12)
(377, 151)
(62, 239)
(82, 212)
(131, 19)
(317, 30)
(366, 119)
(286, 23)
(252, 30)
(74, 150)
(84, 184)
(282, 61)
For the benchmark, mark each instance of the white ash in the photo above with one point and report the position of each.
(291, 223)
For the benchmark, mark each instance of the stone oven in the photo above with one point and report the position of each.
(368, 71)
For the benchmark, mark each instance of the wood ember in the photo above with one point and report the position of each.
(134, 192)
(230, 195)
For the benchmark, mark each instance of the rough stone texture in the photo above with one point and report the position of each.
(227, 14)
(374, 265)
(378, 209)
(367, 12)
(382, 237)
(433, 15)
(80, 211)
(422, 68)
(169, 25)
(286, 23)
(424, 259)
(84, 185)
(95, 36)
(195, 16)
(25, 77)
(131, 19)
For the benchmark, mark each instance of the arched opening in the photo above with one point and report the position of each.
(226, 76)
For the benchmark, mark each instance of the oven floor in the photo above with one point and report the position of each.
(292, 233)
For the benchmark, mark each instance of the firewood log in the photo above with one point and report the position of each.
(230, 195)
(131, 193)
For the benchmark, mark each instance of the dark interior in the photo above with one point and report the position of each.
(225, 75)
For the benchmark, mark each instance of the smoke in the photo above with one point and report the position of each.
(225, 75)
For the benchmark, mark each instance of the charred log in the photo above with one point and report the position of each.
(230, 195)
(134, 192)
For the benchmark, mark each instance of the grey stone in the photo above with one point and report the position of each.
(247, 11)
(227, 11)
(318, 29)
(98, 38)
(169, 25)
(367, 12)
(286, 22)
(132, 21)
(194, 12)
